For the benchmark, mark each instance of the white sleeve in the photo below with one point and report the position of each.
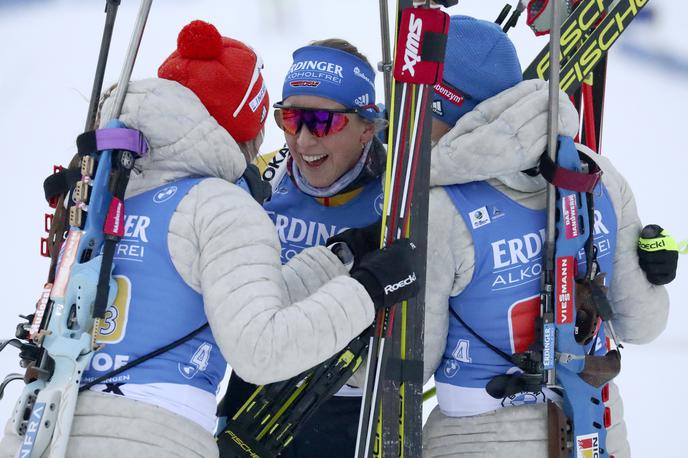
(641, 309)
(306, 272)
(225, 247)
(450, 265)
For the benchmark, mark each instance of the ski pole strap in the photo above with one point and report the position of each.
(116, 138)
(144, 358)
(569, 179)
(434, 45)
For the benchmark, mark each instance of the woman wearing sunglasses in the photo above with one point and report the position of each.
(201, 259)
(326, 179)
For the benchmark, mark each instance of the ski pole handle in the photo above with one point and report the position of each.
(385, 66)
(133, 50)
(111, 7)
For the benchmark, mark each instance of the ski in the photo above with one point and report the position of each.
(582, 54)
(390, 420)
(57, 345)
(265, 425)
(595, 47)
(586, 37)
(575, 28)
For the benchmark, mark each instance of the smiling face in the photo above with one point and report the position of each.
(322, 160)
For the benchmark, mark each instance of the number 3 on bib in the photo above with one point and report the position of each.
(113, 327)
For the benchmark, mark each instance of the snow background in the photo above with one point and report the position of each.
(48, 50)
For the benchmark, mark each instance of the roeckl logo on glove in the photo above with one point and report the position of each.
(652, 245)
(411, 57)
(405, 282)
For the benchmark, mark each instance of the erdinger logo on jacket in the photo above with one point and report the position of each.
(133, 244)
(518, 260)
(296, 234)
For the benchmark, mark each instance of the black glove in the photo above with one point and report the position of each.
(360, 241)
(658, 254)
(389, 274)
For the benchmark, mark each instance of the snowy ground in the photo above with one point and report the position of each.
(47, 57)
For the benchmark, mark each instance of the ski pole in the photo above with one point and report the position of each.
(111, 242)
(513, 20)
(111, 13)
(431, 393)
(552, 132)
(386, 65)
(503, 14)
(133, 50)
(59, 218)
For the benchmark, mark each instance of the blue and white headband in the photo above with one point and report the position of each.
(333, 74)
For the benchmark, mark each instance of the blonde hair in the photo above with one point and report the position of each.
(342, 45)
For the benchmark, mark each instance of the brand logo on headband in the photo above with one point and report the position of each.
(411, 57)
(360, 74)
(316, 70)
(304, 83)
(362, 100)
(327, 67)
(451, 94)
(258, 99)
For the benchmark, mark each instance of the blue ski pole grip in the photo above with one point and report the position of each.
(583, 403)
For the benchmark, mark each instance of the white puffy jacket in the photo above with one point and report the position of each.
(226, 248)
(494, 142)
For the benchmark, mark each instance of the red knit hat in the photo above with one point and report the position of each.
(223, 73)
